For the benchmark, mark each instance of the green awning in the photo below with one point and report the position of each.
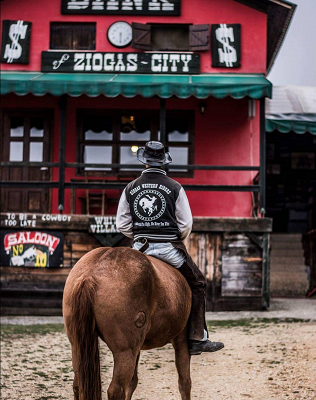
(286, 126)
(76, 84)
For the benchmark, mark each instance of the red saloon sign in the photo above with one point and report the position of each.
(32, 249)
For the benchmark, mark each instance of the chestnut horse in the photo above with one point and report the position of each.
(133, 302)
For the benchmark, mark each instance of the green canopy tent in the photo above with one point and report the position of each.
(255, 86)
(292, 109)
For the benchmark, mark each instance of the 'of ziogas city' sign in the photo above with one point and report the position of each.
(127, 63)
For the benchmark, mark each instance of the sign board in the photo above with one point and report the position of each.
(226, 45)
(31, 249)
(103, 224)
(121, 7)
(126, 63)
(15, 42)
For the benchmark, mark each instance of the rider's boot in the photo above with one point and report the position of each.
(198, 342)
(197, 347)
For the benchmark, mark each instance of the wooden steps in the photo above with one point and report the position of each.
(288, 275)
(31, 300)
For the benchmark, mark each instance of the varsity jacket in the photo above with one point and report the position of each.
(155, 207)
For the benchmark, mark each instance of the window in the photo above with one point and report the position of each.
(171, 37)
(134, 129)
(179, 140)
(98, 136)
(115, 138)
(26, 137)
(72, 36)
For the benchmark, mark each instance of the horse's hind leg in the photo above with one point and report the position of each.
(75, 369)
(132, 386)
(123, 373)
(183, 359)
(76, 388)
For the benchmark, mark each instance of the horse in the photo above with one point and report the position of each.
(133, 302)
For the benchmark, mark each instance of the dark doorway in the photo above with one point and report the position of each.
(291, 181)
(25, 138)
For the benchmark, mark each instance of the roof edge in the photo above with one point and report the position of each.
(275, 19)
(291, 9)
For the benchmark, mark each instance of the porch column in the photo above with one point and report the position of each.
(62, 146)
(163, 121)
(262, 158)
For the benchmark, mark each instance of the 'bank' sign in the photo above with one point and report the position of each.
(121, 7)
(126, 63)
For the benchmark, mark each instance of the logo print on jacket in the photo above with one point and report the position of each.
(149, 205)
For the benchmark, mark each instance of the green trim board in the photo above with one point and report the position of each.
(238, 86)
(286, 126)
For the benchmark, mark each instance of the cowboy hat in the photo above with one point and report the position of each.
(154, 154)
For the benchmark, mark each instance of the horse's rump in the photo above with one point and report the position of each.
(131, 301)
(131, 288)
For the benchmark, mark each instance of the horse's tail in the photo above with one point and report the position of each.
(85, 339)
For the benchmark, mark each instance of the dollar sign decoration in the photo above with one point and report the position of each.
(226, 46)
(227, 54)
(14, 44)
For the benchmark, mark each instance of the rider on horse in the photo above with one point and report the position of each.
(154, 211)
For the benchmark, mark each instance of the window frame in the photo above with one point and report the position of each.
(26, 175)
(117, 143)
(189, 144)
(72, 24)
(198, 36)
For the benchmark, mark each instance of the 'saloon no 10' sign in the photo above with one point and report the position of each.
(32, 249)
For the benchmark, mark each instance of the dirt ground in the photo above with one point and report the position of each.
(262, 360)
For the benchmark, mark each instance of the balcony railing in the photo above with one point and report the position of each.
(61, 185)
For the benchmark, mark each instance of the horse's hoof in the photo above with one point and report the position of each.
(198, 347)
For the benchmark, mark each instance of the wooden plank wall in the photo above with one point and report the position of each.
(79, 244)
(205, 250)
(38, 291)
(241, 266)
(231, 263)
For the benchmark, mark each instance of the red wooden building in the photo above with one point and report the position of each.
(85, 83)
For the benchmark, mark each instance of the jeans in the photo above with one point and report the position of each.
(177, 258)
(165, 252)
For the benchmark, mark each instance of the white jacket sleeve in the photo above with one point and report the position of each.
(124, 221)
(183, 214)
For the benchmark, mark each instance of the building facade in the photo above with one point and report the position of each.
(85, 83)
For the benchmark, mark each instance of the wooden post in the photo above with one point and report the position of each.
(62, 147)
(163, 121)
(266, 271)
(262, 158)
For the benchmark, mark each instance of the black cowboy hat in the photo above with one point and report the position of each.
(154, 154)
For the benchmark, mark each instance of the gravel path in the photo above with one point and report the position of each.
(261, 361)
(300, 308)
(279, 308)
(266, 356)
